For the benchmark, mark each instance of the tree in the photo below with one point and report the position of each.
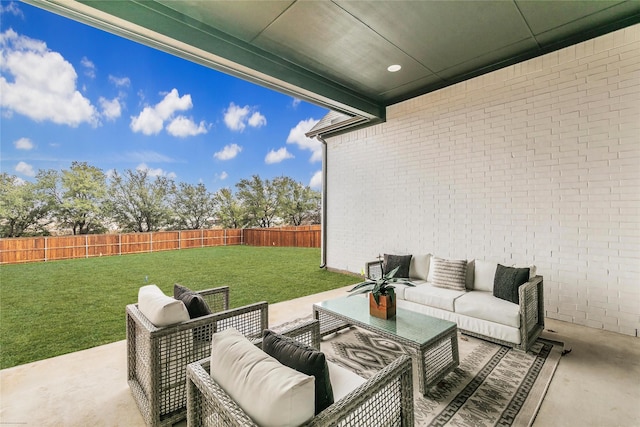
(298, 204)
(139, 203)
(79, 193)
(229, 210)
(260, 201)
(24, 207)
(193, 206)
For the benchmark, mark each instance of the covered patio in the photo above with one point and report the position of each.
(596, 384)
(514, 138)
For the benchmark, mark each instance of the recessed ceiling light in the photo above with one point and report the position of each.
(394, 68)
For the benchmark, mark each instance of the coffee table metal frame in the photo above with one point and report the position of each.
(434, 354)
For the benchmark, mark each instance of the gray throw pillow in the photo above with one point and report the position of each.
(196, 305)
(507, 281)
(303, 359)
(393, 261)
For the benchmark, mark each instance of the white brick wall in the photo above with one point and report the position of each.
(538, 163)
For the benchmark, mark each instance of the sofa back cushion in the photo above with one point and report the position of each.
(484, 275)
(160, 309)
(419, 267)
(270, 393)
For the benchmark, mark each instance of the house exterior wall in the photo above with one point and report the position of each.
(537, 163)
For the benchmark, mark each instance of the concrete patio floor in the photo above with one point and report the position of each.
(596, 384)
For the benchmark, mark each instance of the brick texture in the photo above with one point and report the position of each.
(536, 163)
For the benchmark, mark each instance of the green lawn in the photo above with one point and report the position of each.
(53, 308)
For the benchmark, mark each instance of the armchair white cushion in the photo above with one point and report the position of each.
(160, 309)
(270, 393)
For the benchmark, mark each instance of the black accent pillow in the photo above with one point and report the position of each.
(393, 261)
(196, 305)
(303, 359)
(507, 281)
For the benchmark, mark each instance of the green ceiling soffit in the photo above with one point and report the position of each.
(238, 58)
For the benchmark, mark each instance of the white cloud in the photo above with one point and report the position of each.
(155, 172)
(316, 180)
(148, 122)
(223, 176)
(234, 117)
(277, 156)
(295, 103)
(25, 169)
(147, 156)
(89, 67)
(237, 118)
(12, 8)
(228, 152)
(43, 83)
(23, 144)
(110, 109)
(257, 120)
(296, 136)
(182, 127)
(151, 120)
(120, 81)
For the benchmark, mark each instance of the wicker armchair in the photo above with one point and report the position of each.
(157, 357)
(384, 399)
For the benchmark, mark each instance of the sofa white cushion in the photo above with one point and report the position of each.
(431, 268)
(484, 274)
(419, 267)
(471, 266)
(160, 309)
(343, 381)
(483, 305)
(433, 296)
(467, 323)
(270, 393)
(401, 289)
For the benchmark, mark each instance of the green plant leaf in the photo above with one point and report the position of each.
(392, 273)
(360, 291)
(360, 285)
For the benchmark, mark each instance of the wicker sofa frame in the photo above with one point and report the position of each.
(157, 357)
(531, 309)
(385, 399)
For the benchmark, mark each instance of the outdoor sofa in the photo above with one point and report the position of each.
(384, 399)
(495, 302)
(162, 342)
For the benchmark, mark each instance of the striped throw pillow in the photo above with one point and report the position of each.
(449, 274)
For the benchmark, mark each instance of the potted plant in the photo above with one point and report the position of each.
(382, 297)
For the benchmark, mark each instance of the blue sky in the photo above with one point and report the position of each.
(70, 92)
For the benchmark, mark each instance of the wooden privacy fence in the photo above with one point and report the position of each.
(32, 249)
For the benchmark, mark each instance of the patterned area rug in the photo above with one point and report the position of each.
(492, 386)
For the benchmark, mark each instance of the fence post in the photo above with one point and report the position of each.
(151, 241)
(45, 248)
(86, 246)
(179, 239)
(119, 244)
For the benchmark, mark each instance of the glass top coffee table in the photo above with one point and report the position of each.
(432, 342)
